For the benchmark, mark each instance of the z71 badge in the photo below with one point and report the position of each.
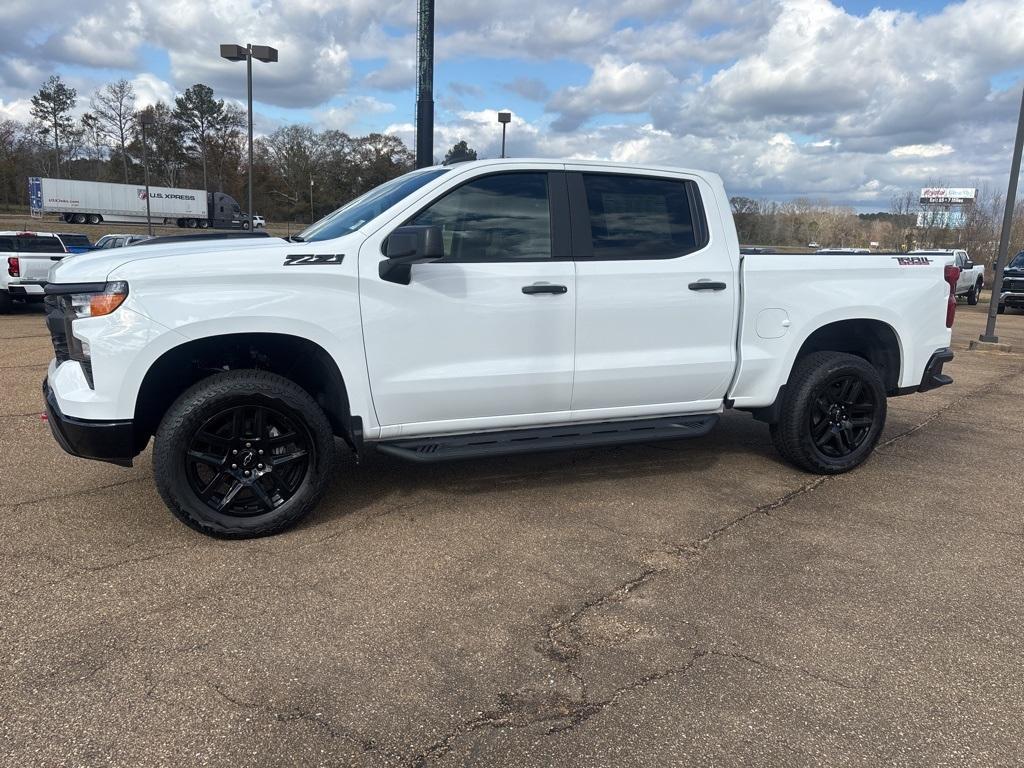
(912, 261)
(311, 259)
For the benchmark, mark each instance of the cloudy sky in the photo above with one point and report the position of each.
(853, 100)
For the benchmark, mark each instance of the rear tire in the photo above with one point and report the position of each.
(242, 454)
(6, 304)
(80, 218)
(974, 293)
(95, 218)
(204, 223)
(832, 413)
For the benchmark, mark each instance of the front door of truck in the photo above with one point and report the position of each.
(483, 338)
(657, 295)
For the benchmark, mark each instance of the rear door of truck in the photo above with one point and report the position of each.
(657, 293)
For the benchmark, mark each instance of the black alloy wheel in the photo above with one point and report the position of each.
(831, 413)
(842, 415)
(243, 453)
(248, 460)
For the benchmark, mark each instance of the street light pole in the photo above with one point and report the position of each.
(248, 96)
(146, 118)
(264, 53)
(1004, 237)
(504, 118)
(312, 218)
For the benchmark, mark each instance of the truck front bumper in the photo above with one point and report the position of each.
(112, 441)
(1012, 299)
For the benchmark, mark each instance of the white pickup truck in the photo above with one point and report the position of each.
(489, 307)
(972, 276)
(26, 258)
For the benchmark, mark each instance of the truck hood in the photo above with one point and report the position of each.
(95, 266)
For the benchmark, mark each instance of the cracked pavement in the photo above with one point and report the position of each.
(697, 602)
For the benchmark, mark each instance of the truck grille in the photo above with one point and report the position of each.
(56, 322)
(1013, 284)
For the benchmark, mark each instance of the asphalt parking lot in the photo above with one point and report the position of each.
(668, 604)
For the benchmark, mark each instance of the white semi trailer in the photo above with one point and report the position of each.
(93, 202)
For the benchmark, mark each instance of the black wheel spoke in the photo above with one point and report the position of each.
(225, 502)
(238, 423)
(282, 439)
(818, 430)
(261, 494)
(259, 426)
(213, 439)
(213, 483)
(208, 459)
(277, 461)
(854, 392)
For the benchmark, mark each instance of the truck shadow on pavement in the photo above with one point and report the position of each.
(737, 439)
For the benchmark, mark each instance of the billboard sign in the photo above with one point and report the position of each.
(948, 195)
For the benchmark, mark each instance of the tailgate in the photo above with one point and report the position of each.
(35, 267)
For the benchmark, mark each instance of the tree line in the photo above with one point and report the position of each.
(195, 141)
(802, 222)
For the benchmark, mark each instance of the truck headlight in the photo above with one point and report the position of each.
(98, 303)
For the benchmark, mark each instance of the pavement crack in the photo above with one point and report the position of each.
(301, 714)
(747, 658)
(72, 494)
(528, 707)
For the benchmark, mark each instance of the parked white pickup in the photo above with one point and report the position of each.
(25, 261)
(972, 276)
(488, 307)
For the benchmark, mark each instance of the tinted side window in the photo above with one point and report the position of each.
(639, 217)
(7, 244)
(495, 218)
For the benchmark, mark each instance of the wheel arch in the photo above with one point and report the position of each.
(874, 340)
(296, 358)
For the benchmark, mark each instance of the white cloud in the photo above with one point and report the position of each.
(922, 150)
(150, 89)
(615, 87)
(347, 115)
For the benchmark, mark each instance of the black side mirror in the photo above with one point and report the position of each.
(410, 245)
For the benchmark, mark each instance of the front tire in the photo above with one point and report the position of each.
(832, 413)
(1001, 309)
(242, 454)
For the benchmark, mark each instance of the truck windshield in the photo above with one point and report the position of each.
(355, 214)
(1018, 261)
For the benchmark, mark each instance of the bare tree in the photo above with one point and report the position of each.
(114, 107)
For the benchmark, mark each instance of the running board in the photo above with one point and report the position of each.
(533, 440)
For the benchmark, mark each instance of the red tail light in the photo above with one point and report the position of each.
(952, 275)
(13, 266)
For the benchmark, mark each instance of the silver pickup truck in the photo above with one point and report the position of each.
(26, 261)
